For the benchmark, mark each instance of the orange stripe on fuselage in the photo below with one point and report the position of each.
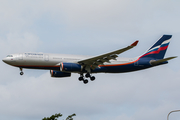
(119, 64)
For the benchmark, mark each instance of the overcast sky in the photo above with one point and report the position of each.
(88, 27)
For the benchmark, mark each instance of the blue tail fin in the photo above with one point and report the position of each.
(158, 50)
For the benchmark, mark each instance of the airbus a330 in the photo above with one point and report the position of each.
(61, 65)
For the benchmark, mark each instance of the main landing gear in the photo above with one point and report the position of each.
(81, 78)
(21, 73)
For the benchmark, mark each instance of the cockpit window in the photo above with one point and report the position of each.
(10, 56)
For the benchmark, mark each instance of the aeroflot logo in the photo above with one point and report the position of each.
(34, 55)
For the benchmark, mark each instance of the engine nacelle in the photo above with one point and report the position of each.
(59, 74)
(70, 67)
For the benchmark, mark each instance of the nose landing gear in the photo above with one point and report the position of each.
(21, 73)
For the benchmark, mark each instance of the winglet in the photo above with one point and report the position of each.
(135, 43)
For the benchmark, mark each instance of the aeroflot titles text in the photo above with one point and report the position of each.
(34, 55)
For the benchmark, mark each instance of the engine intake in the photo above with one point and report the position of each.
(70, 67)
(59, 74)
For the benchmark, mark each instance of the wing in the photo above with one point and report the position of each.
(99, 60)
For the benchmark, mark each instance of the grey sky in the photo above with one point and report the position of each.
(89, 27)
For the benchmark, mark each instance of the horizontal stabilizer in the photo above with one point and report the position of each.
(161, 61)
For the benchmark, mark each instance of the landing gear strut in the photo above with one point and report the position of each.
(21, 73)
(81, 78)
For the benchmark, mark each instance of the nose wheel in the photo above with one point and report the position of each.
(85, 81)
(21, 73)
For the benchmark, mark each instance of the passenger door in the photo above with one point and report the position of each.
(20, 57)
(46, 57)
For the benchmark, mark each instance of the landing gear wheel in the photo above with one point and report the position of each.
(88, 75)
(81, 78)
(85, 81)
(92, 78)
(21, 73)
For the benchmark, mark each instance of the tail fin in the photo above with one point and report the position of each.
(158, 50)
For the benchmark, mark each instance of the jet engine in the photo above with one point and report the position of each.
(70, 67)
(59, 74)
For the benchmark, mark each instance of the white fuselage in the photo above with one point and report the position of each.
(38, 60)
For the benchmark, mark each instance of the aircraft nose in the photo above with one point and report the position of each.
(9, 60)
(5, 60)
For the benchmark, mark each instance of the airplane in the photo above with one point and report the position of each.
(61, 65)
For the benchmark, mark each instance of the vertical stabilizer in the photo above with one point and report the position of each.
(158, 50)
